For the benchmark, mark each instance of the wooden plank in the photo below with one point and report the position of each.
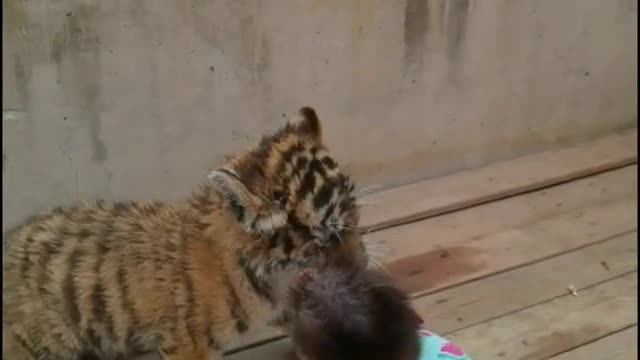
(510, 291)
(466, 225)
(482, 221)
(622, 345)
(484, 299)
(468, 188)
(461, 261)
(553, 327)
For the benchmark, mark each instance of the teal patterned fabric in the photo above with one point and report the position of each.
(433, 347)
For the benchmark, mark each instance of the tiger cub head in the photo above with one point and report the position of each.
(290, 193)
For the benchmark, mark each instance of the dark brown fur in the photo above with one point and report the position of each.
(352, 315)
(184, 279)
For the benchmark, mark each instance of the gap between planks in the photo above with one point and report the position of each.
(497, 181)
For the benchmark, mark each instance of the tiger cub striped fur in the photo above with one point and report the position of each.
(184, 279)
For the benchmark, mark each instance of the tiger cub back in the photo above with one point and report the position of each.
(184, 279)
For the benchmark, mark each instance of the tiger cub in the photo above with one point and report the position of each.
(115, 279)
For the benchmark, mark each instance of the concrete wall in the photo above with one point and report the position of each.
(137, 99)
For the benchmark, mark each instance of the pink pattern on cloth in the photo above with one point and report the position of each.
(451, 349)
(434, 347)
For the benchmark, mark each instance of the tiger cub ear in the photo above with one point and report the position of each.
(309, 124)
(254, 215)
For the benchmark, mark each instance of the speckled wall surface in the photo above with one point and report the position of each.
(137, 99)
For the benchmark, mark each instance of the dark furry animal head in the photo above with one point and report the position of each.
(340, 315)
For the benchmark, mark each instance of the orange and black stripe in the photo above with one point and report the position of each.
(260, 286)
(238, 311)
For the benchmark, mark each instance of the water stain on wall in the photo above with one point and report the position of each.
(456, 22)
(416, 23)
(456, 25)
(448, 20)
(199, 14)
(243, 45)
(76, 47)
(262, 67)
(22, 73)
(251, 46)
(15, 26)
(24, 38)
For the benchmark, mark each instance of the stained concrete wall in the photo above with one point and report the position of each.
(137, 99)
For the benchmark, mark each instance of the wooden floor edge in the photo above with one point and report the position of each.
(475, 198)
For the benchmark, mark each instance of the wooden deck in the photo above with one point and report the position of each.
(534, 258)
